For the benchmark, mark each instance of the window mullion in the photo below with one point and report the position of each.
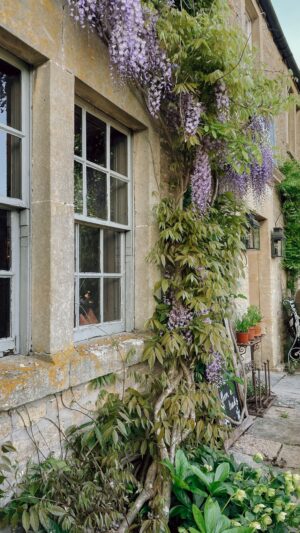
(101, 236)
(108, 168)
(84, 184)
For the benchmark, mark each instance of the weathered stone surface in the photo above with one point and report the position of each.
(250, 445)
(283, 413)
(289, 457)
(278, 430)
(243, 458)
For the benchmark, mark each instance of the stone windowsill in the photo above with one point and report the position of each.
(24, 379)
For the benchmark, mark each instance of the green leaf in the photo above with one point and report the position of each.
(56, 510)
(199, 519)
(212, 514)
(222, 472)
(26, 520)
(34, 519)
(200, 475)
(181, 464)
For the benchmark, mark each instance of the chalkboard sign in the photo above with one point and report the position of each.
(231, 401)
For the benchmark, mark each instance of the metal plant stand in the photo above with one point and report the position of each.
(261, 397)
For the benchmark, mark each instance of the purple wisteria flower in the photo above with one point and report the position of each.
(192, 111)
(222, 101)
(135, 52)
(201, 181)
(180, 317)
(215, 370)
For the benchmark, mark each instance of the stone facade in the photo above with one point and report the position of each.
(39, 393)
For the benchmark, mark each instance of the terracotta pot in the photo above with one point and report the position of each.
(251, 333)
(242, 338)
(257, 330)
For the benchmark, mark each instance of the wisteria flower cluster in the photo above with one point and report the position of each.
(215, 370)
(261, 172)
(222, 101)
(192, 111)
(180, 317)
(201, 181)
(135, 52)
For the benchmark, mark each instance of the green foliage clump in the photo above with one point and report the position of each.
(289, 189)
(212, 494)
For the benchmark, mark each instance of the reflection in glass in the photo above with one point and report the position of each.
(89, 249)
(118, 201)
(112, 299)
(89, 305)
(78, 131)
(112, 251)
(96, 193)
(5, 240)
(78, 191)
(118, 151)
(10, 165)
(10, 95)
(4, 307)
(95, 140)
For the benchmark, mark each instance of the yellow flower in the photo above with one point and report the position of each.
(208, 468)
(255, 525)
(266, 520)
(271, 493)
(258, 508)
(235, 523)
(240, 495)
(258, 457)
(296, 479)
(281, 516)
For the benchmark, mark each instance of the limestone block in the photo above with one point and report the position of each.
(5, 427)
(250, 445)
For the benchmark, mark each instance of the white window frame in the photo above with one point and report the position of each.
(86, 332)
(19, 340)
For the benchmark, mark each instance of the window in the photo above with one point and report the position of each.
(102, 222)
(14, 139)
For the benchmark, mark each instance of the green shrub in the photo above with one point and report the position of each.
(212, 494)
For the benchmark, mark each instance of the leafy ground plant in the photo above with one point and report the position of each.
(212, 494)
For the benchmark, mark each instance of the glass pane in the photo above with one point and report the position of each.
(4, 307)
(89, 246)
(118, 201)
(112, 251)
(78, 131)
(95, 140)
(96, 197)
(5, 240)
(78, 192)
(118, 151)
(112, 299)
(10, 165)
(89, 305)
(10, 95)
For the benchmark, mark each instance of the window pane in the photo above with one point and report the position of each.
(89, 306)
(89, 247)
(4, 307)
(95, 140)
(96, 193)
(5, 240)
(78, 191)
(118, 201)
(112, 299)
(78, 131)
(10, 165)
(112, 251)
(10, 95)
(118, 151)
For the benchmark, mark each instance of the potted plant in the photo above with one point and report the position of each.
(254, 317)
(241, 328)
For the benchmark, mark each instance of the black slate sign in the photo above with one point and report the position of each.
(231, 402)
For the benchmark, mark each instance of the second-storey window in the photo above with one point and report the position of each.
(102, 221)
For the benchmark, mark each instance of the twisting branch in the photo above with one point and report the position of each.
(146, 494)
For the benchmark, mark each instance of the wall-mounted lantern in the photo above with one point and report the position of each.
(253, 237)
(277, 238)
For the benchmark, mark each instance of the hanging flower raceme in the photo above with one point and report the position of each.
(192, 111)
(180, 317)
(201, 181)
(134, 48)
(261, 172)
(215, 370)
(222, 101)
(235, 182)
